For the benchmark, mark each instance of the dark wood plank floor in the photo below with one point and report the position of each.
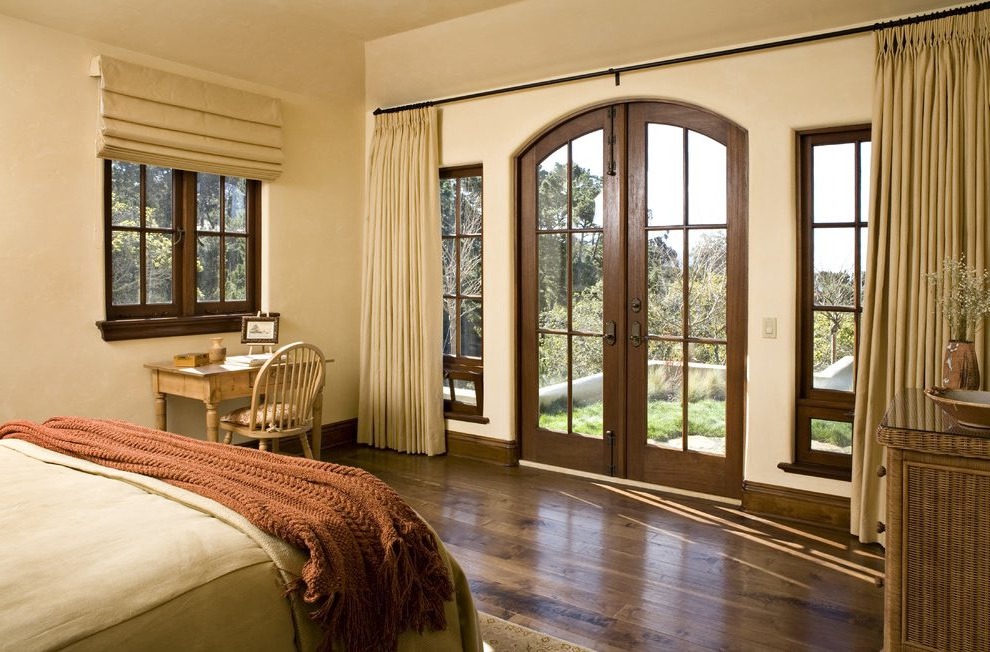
(614, 567)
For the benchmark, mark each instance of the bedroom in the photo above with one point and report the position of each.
(52, 186)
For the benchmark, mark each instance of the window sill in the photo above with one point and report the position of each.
(135, 329)
(817, 470)
(459, 416)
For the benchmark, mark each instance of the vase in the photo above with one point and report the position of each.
(217, 351)
(960, 367)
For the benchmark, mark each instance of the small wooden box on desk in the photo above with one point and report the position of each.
(937, 587)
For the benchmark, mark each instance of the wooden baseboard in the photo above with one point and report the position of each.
(486, 449)
(339, 433)
(796, 505)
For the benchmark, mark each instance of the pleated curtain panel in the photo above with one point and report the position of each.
(931, 160)
(158, 118)
(400, 401)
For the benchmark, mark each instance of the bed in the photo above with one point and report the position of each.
(97, 558)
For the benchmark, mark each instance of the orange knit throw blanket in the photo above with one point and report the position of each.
(374, 569)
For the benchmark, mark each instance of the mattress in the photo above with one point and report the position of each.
(96, 559)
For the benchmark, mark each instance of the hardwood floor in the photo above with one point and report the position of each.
(614, 567)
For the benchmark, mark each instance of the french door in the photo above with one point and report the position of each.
(632, 289)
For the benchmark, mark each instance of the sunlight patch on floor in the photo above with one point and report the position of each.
(795, 549)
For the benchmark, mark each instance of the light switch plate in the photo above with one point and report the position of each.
(770, 327)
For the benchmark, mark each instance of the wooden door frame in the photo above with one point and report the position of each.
(565, 448)
(697, 471)
(628, 463)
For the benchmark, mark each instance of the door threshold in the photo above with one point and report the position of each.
(735, 502)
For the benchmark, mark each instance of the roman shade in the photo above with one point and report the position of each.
(158, 118)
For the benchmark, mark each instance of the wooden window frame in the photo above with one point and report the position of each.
(185, 315)
(816, 403)
(460, 367)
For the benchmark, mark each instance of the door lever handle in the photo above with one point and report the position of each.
(609, 335)
(634, 334)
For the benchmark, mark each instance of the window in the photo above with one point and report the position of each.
(461, 227)
(834, 208)
(182, 251)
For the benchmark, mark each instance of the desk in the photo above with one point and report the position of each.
(211, 384)
(937, 586)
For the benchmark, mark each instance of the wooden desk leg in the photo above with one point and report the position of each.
(160, 411)
(317, 425)
(212, 422)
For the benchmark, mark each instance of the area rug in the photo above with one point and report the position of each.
(502, 636)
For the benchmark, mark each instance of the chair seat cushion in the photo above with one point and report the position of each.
(272, 412)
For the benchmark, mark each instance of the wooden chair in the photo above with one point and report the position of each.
(282, 400)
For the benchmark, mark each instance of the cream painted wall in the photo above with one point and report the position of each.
(770, 94)
(51, 237)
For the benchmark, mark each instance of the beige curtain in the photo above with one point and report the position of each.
(401, 400)
(158, 118)
(929, 178)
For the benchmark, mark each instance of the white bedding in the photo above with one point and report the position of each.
(95, 559)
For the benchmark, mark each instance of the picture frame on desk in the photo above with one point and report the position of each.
(259, 330)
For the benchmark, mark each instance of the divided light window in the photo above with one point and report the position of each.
(833, 226)
(180, 245)
(461, 234)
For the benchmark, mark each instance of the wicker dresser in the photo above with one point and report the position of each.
(937, 589)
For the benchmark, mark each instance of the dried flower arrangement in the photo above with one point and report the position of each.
(963, 295)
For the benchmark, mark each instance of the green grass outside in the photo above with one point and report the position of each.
(837, 433)
(663, 419)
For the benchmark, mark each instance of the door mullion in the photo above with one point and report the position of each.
(685, 321)
(616, 297)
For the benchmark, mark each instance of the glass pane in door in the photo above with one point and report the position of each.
(664, 282)
(587, 162)
(665, 384)
(551, 200)
(570, 287)
(586, 386)
(706, 389)
(664, 175)
(587, 289)
(553, 382)
(686, 283)
(706, 180)
(707, 278)
(552, 280)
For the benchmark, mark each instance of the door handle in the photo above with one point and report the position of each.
(609, 335)
(634, 334)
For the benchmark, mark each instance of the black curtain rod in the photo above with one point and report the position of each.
(617, 72)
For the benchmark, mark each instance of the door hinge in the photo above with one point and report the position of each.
(611, 169)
